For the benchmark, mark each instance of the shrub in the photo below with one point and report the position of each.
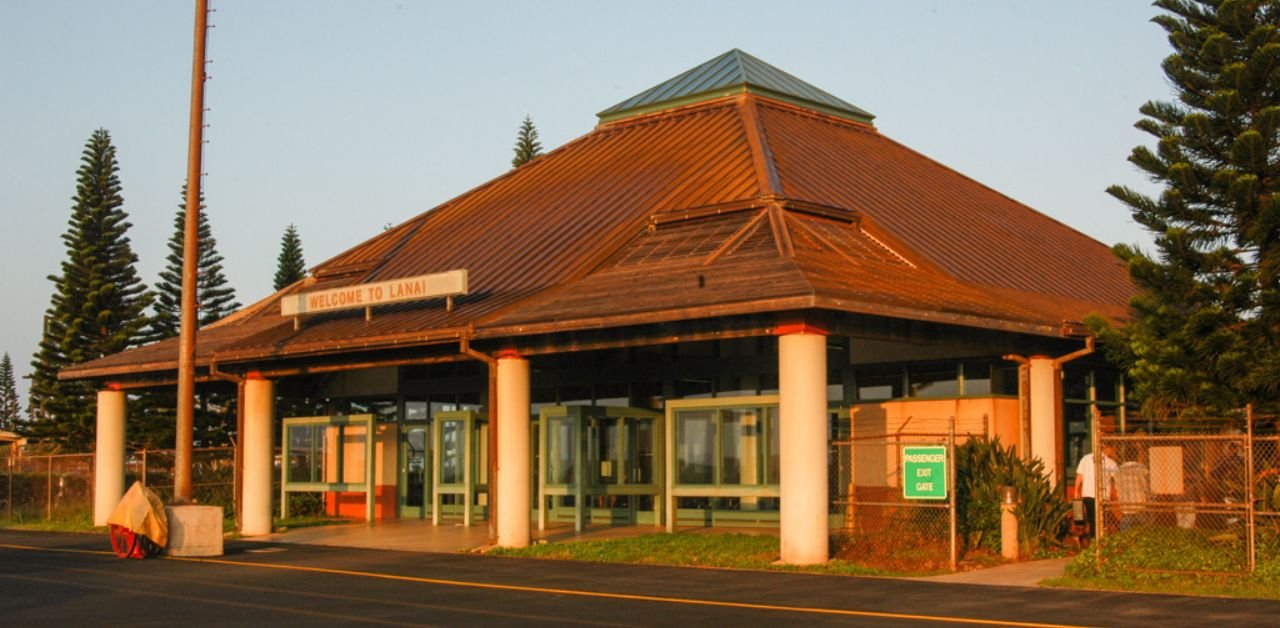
(982, 467)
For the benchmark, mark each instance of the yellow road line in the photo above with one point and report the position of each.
(57, 550)
(580, 593)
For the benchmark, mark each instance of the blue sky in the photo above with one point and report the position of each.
(342, 117)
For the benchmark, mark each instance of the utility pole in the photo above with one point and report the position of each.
(190, 251)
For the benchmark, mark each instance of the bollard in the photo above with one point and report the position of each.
(1008, 522)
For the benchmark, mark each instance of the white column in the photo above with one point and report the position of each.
(259, 455)
(108, 472)
(513, 501)
(802, 386)
(1044, 413)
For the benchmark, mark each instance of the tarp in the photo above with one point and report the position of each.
(141, 511)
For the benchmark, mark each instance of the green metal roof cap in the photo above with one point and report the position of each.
(732, 72)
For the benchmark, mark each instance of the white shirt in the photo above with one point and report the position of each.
(1084, 470)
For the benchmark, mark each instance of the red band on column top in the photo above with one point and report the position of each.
(254, 375)
(114, 386)
(508, 354)
(798, 328)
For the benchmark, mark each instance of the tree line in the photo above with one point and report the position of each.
(101, 306)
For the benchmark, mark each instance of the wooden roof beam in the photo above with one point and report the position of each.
(781, 235)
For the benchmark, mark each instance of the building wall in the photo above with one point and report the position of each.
(975, 416)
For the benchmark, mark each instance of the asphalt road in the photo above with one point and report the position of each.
(66, 579)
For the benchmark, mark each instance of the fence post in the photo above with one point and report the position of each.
(9, 500)
(1248, 487)
(1099, 516)
(951, 485)
(851, 491)
(48, 504)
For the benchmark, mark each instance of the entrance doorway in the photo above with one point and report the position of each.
(415, 470)
(459, 484)
(598, 465)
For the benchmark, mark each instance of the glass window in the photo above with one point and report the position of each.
(737, 441)
(695, 446)
(735, 386)
(383, 410)
(1004, 380)
(482, 452)
(469, 401)
(561, 437)
(1075, 383)
(977, 379)
(452, 441)
(728, 446)
(1106, 385)
(612, 395)
(576, 396)
(694, 388)
(1076, 417)
(773, 454)
(605, 455)
(835, 393)
(928, 382)
(306, 453)
(768, 383)
(416, 411)
(641, 439)
(880, 383)
(647, 394)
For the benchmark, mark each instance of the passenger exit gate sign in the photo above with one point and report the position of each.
(924, 472)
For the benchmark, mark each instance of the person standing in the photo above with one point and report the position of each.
(1087, 486)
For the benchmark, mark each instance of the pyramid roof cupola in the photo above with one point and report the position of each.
(733, 72)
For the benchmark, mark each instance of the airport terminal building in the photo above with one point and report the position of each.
(665, 321)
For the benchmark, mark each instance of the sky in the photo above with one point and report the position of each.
(343, 117)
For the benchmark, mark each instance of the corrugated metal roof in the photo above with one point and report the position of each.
(733, 71)
(738, 205)
(973, 232)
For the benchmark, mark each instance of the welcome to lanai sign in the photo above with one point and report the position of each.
(366, 295)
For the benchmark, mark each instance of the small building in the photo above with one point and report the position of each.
(664, 321)
(13, 442)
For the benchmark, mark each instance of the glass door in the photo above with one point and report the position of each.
(415, 476)
(598, 465)
(460, 468)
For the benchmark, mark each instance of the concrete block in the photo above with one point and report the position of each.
(194, 530)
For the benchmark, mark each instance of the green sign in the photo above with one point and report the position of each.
(924, 472)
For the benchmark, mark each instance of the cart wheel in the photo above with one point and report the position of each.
(123, 541)
(147, 548)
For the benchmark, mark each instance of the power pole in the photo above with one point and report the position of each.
(190, 250)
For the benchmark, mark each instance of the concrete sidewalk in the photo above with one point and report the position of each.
(1024, 574)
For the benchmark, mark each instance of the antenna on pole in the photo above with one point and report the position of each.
(190, 250)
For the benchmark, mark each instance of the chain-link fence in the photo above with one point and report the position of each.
(893, 494)
(213, 474)
(1190, 498)
(59, 487)
(48, 487)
